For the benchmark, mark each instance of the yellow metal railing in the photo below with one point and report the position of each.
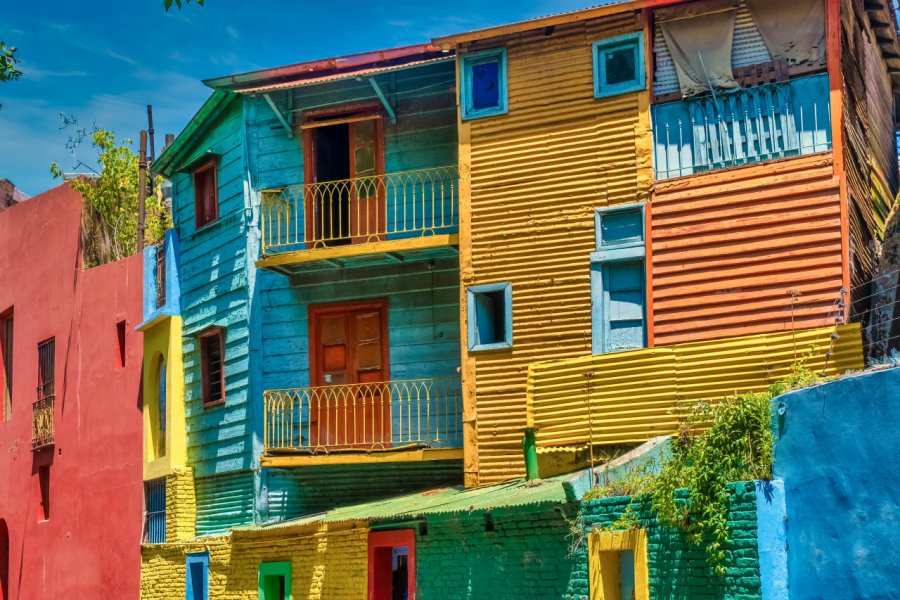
(364, 416)
(630, 397)
(360, 210)
(42, 423)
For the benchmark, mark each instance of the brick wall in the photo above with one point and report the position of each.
(330, 562)
(181, 505)
(678, 569)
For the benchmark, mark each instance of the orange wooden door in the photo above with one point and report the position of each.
(350, 406)
(367, 198)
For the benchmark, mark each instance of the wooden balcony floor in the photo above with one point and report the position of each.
(302, 458)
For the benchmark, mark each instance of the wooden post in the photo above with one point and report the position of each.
(142, 191)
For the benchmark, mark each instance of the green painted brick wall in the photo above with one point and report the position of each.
(677, 569)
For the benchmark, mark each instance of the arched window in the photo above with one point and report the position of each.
(161, 407)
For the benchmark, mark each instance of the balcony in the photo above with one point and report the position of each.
(396, 217)
(391, 421)
(627, 398)
(42, 423)
(757, 124)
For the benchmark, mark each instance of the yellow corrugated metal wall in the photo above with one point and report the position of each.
(632, 394)
(530, 181)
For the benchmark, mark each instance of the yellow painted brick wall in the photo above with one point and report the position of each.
(326, 563)
(181, 505)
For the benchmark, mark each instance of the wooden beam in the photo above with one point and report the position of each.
(387, 107)
(340, 252)
(347, 458)
(278, 114)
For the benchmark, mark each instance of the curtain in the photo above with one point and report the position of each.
(793, 30)
(700, 37)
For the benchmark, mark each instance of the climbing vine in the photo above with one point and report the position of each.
(717, 444)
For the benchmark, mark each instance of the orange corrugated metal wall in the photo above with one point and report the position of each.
(537, 174)
(729, 248)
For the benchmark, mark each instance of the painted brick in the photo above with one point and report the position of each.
(181, 505)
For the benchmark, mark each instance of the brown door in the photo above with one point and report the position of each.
(367, 210)
(350, 405)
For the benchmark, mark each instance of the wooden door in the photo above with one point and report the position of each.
(367, 198)
(350, 406)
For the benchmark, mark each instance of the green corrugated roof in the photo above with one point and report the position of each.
(440, 501)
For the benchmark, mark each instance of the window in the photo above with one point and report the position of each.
(212, 363)
(206, 196)
(619, 65)
(483, 90)
(618, 565)
(490, 316)
(120, 343)
(44, 492)
(197, 571)
(275, 581)
(392, 565)
(617, 280)
(155, 520)
(6, 362)
(161, 274)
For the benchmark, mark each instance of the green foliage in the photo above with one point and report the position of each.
(8, 62)
(717, 444)
(168, 3)
(111, 203)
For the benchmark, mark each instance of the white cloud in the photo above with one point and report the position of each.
(126, 59)
(231, 31)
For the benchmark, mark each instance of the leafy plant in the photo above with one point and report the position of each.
(111, 203)
(717, 444)
(168, 3)
(8, 62)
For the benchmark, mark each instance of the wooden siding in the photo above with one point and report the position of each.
(224, 501)
(532, 179)
(728, 248)
(215, 292)
(634, 396)
(870, 150)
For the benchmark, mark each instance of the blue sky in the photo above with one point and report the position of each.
(104, 61)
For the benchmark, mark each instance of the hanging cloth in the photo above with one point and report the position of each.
(793, 30)
(700, 37)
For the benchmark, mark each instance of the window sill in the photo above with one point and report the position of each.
(495, 346)
(214, 404)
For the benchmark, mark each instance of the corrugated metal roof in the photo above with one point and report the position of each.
(440, 501)
(343, 75)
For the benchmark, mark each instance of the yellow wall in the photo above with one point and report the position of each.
(530, 181)
(634, 395)
(326, 562)
(181, 504)
(163, 339)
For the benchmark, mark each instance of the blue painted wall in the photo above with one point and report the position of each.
(836, 451)
(172, 305)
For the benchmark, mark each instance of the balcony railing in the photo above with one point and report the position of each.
(747, 126)
(363, 209)
(364, 417)
(42, 423)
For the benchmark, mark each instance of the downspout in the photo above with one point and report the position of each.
(529, 448)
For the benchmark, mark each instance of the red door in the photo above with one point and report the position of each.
(350, 405)
(367, 210)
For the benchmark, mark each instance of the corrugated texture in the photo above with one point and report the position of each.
(629, 397)
(224, 501)
(729, 247)
(537, 174)
(749, 49)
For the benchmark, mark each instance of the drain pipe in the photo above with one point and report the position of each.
(529, 448)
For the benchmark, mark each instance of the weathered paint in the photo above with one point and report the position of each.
(181, 504)
(89, 546)
(326, 562)
(771, 536)
(730, 248)
(834, 451)
(633, 395)
(530, 183)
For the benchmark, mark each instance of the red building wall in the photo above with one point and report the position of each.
(90, 546)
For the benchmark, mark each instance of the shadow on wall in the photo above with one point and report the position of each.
(836, 450)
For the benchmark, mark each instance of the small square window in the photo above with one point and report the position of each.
(206, 194)
(275, 581)
(619, 65)
(490, 316)
(483, 90)
(619, 226)
(618, 565)
(212, 364)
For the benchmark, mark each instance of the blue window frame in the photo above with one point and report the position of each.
(197, 584)
(155, 499)
(618, 320)
(483, 89)
(619, 65)
(489, 309)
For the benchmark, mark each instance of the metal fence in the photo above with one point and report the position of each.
(364, 416)
(751, 125)
(359, 210)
